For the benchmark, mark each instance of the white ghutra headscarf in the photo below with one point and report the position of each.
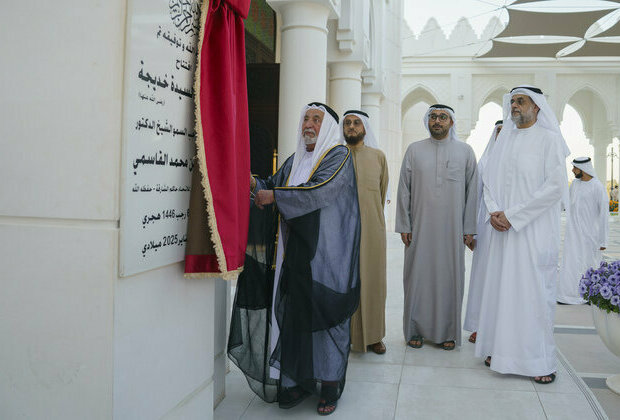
(327, 138)
(585, 164)
(370, 139)
(450, 111)
(487, 150)
(545, 119)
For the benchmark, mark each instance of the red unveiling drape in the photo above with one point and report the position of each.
(219, 208)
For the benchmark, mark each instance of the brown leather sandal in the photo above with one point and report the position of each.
(378, 348)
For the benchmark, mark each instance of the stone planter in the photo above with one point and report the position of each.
(608, 328)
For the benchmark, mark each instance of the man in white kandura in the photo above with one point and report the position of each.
(586, 230)
(525, 185)
(481, 245)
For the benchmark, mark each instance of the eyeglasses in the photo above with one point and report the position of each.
(441, 117)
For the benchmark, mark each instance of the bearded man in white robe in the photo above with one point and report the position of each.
(436, 216)
(586, 230)
(481, 245)
(525, 185)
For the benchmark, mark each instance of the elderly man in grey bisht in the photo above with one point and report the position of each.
(436, 217)
(312, 290)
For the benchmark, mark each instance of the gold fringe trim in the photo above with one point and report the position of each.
(202, 164)
(229, 275)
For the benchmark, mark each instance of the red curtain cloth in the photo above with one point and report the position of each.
(223, 140)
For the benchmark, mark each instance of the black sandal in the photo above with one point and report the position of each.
(417, 338)
(540, 379)
(325, 408)
(445, 345)
(329, 400)
(290, 397)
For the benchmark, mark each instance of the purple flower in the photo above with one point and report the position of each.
(583, 289)
(594, 289)
(595, 278)
(606, 292)
(615, 300)
(617, 290)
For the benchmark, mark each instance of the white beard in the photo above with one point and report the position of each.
(522, 118)
(309, 140)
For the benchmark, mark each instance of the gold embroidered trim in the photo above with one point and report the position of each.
(314, 170)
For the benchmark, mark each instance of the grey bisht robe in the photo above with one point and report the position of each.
(318, 288)
(437, 198)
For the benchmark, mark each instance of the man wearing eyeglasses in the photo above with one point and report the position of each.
(436, 217)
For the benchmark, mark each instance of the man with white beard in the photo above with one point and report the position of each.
(586, 230)
(524, 186)
(289, 330)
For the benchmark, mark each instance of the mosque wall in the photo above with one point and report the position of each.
(600, 86)
(79, 341)
(390, 126)
(486, 85)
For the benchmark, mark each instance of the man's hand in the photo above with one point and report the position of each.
(406, 238)
(499, 221)
(263, 198)
(469, 241)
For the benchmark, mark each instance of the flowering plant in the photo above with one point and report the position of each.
(601, 287)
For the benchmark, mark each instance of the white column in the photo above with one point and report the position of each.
(345, 86)
(371, 104)
(600, 161)
(303, 57)
(461, 102)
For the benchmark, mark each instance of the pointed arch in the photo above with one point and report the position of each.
(572, 95)
(493, 94)
(589, 103)
(415, 95)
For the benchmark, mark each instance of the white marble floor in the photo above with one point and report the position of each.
(430, 383)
